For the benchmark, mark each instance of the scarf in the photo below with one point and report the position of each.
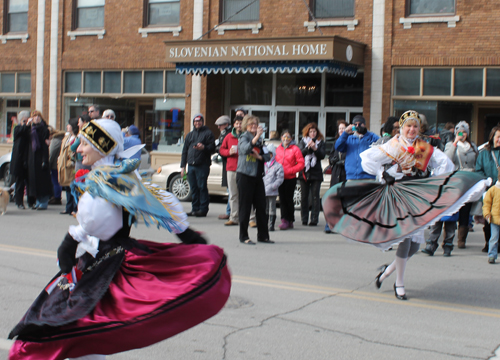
(310, 159)
(464, 146)
(35, 141)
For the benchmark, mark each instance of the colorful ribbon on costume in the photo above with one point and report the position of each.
(73, 277)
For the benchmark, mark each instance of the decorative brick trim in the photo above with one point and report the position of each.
(175, 30)
(73, 34)
(311, 25)
(23, 37)
(254, 27)
(451, 20)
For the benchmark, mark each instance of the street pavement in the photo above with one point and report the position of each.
(308, 296)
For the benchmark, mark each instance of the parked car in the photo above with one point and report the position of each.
(5, 168)
(169, 177)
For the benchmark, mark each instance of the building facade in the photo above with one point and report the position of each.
(290, 62)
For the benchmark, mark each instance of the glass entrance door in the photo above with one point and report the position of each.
(285, 120)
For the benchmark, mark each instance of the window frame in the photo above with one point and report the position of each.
(312, 6)
(145, 15)
(16, 83)
(222, 20)
(5, 28)
(74, 20)
(409, 14)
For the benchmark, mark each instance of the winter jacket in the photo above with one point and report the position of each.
(19, 160)
(132, 140)
(65, 162)
(337, 163)
(229, 141)
(191, 156)
(291, 159)
(315, 172)
(467, 159)
(491, 204)
(485, 165)
(247, 164)
(223, 134)
(353, 146)
(55, 149)
(273, 178)
(40, 183)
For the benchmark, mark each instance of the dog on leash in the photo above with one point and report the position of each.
(4, 199)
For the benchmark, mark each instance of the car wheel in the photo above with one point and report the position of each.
(297, 196)
(180, 188)
(6, 175)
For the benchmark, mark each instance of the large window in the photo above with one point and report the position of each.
(16, 19)
(333, 8)
(431, 7)
(15, 83)
(89, 14)
(240, 10)
(124, 82)
(162, 12)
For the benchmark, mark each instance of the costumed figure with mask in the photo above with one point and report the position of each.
(415, 186)
(115, 293)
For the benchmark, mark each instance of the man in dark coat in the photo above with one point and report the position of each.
(19, 160)
(224, 125)
(40, 184)
(199, 145)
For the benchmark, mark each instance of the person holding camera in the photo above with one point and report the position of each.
(312, 147)
(40, 183)
(354, 140)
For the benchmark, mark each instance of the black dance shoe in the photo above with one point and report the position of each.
(382, 269)
(399, 297)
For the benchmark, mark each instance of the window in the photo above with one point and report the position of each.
(407, 82)
(112, 82)
(431, 7)
(17, 16)
(15, 83)
(89, 14)
(153, 82)
(468, 82)
(240, 10)
(132, 82)
(437, 82)
(493, 82)
(162, 12)
(333, 8)
(92, 82)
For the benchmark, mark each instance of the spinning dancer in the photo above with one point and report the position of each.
(403, 200)
(115, 293)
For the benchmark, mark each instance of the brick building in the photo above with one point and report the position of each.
(289, 62)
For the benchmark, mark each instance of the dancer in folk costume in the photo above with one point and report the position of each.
(115, 293)
(415, 186)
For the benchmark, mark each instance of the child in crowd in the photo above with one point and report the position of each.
(272, 180)
(491, 213)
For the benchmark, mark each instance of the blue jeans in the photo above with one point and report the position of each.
(55, 184)
(197, 177)
(493, 249)
(42, 202)
(70, 201)
(228, 207)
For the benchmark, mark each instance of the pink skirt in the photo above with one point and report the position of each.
(150, 298)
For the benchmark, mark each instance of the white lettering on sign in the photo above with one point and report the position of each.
(238, 51)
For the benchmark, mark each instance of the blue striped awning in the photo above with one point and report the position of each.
(267, 67)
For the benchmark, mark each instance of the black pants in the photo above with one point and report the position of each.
(309, 188)
(251, 191)
(21, 184)
(287, 206)
(463, 215)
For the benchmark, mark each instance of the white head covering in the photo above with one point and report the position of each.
(105, 136)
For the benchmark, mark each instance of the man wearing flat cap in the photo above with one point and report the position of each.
(224, 125)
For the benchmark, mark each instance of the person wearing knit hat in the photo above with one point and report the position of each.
(199, 145)
(132, 138)
(463, 153)
(106, 275)
(224, 125)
